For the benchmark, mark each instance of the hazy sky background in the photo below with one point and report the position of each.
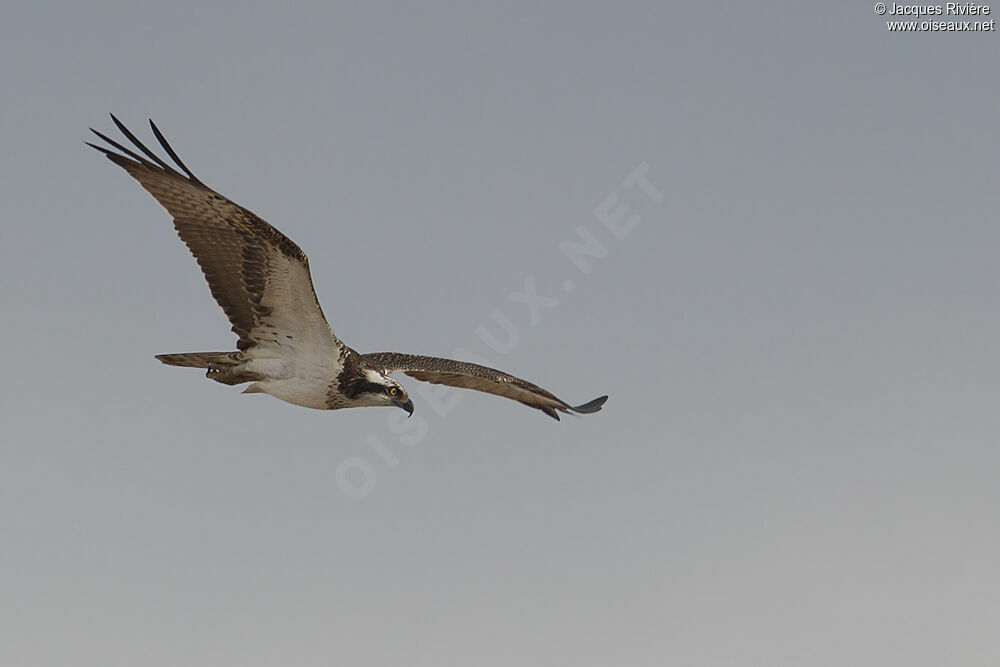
(798, 463)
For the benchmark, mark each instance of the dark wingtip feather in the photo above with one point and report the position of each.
(170, 151)
(591, 407)
(100, 148)
(138, 144)
(112, 142)
(151, 159)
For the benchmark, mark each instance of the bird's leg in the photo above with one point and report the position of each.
(228, 374)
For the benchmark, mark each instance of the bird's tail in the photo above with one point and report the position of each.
(201, 359)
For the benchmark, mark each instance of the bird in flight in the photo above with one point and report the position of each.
(261, 280)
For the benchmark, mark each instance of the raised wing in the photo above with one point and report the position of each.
(258, 276)
(480, 378)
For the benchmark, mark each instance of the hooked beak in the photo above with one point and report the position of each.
(406, 405)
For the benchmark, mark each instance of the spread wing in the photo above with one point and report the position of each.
(258, 276)
(480, 378)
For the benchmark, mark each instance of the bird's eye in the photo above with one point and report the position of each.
(393, 391)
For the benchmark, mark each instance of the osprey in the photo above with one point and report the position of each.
(261, 280)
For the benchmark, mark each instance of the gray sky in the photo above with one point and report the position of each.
(798, 462)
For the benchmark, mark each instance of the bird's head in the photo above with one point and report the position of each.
(380, 389)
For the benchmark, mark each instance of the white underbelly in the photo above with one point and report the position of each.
(291, 380)
(297, 391)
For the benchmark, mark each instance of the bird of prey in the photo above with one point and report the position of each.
(261, 280)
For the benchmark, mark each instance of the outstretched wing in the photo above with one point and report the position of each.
(474, 376)
(257, 274)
